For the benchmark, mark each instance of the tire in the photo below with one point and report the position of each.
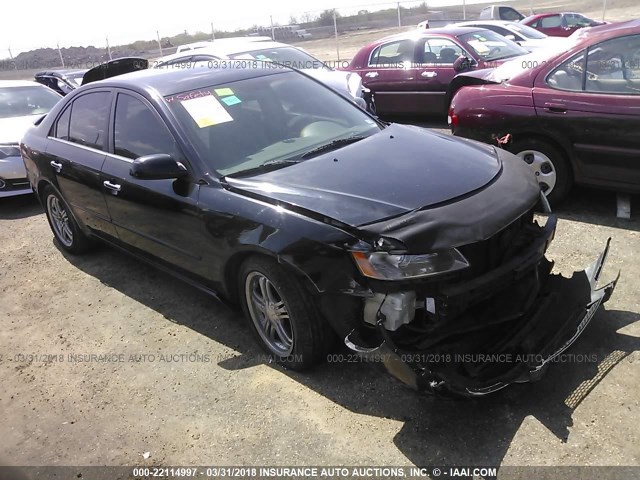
(550, 166)
(287, 325)
(63, 224)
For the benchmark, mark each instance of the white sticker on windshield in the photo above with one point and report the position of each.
(206, 111)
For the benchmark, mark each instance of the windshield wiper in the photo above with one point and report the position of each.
(267, 166)
(333, 145)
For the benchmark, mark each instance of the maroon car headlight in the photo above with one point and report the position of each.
(389, 266)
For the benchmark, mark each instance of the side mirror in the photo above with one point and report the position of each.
(463, 64)
(159, 166)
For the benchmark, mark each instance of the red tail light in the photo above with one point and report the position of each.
(453, 119)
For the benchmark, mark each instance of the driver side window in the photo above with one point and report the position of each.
(569, 75)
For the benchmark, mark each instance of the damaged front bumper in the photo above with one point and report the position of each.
(532, 317)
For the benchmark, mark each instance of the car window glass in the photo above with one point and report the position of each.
(62, 125)
(569, 75)
(394, 53)
(509, 14)
(527, 31)
(614, 66)
(25, 101)
(441, 50)
(138, 131)
(490, 46)
(88, 123)
(551, 22)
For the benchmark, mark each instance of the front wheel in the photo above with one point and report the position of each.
(549, 165)
(282, 315)
(65, 228)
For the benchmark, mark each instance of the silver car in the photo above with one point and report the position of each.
(21, 104)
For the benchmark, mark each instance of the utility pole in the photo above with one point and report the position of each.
(604, 9)
(273, 34)
(159, 43)
(109, 50)
(15, 65)
(399, 19)
(464, 9)
(335, 29)
(531, 8)
(213, 33)
(60, 53)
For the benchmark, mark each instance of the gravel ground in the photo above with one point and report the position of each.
(192, 387)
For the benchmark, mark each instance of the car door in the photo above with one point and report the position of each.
(76, 151)
(598, 110)
(435, 72)
(159, 218)
(390, 73)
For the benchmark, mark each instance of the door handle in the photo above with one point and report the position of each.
(556, 107)
(371, 74)
(56, 166)
(429, 74)
(114, 187)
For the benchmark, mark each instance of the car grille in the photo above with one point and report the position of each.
(490, 254)
(13, 184)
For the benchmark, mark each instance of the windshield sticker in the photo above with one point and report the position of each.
(223, 92)
(262, 57)
(479, 47)
(206, 111)
(232, 100)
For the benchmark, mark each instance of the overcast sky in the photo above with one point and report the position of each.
(29, 24)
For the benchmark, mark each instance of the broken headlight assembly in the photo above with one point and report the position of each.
(392, 266)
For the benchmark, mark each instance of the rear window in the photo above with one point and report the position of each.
(25, 101)
(490, 46)
(289, 56)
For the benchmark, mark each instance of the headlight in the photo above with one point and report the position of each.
(9, 151)
(387, 266)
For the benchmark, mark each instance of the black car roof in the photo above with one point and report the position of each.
(169, 81)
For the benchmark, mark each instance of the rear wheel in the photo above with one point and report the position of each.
(64, 226)
(549, 165)
(282, 315)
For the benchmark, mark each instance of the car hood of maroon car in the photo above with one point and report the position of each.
(398, 170)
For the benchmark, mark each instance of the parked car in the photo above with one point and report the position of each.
(527, 37)
(253, 51)
(61, 81)
(559, 24)
(65, 81)
(409, 73)
(321, 222)
(21, 104)
(500, 12)
(573, 113)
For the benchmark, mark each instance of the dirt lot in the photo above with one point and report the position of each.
(192, 387)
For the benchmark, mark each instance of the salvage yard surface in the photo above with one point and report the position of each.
(103, 358)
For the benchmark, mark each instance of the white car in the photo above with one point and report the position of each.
(21, 104)
(525, 36)
(257, 49)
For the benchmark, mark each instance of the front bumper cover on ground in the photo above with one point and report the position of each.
(562, 311)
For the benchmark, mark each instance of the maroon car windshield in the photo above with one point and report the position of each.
(490, 46)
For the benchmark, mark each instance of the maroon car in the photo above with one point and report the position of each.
(573, 115)
(559, 24)
(409, 73)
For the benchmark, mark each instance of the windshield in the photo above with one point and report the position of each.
(272, 120)
(536, 59)
(526, 31)
(24, 101)
(289, 56)
(489, 45)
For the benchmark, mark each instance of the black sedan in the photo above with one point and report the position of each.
(273, 192)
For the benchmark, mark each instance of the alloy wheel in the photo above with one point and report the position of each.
(60, 220)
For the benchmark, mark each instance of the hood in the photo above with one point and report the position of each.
(115, 68)
(13, 128)
(400, 169)
(348, 83)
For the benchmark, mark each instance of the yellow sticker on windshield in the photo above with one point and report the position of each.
(206, 111)
(223, 92)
